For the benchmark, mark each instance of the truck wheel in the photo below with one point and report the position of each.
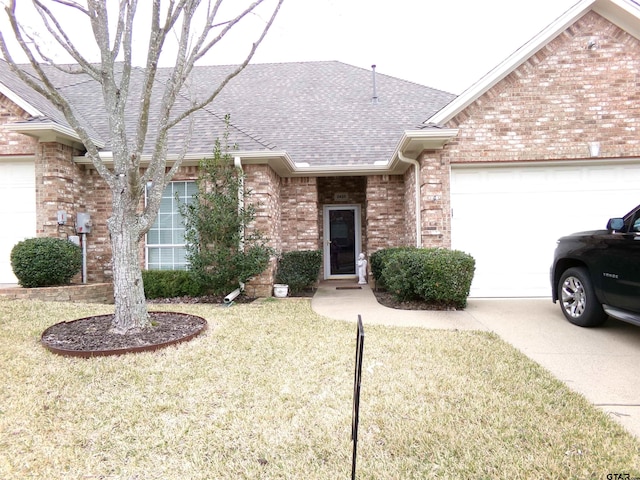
(578, 299)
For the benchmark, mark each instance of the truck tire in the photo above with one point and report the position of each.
(578, 300)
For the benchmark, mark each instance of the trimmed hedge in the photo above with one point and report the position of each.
(299, 269)
(379, 259)
(45, 261)
(435, 275)
(170, 284)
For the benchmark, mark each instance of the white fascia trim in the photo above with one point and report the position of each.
(512, 62)
(40, 130)
(548, 163)
(283, 165)
(623, 13)
(413, 142)
(434, 135)
(17, 158)
(19, 101)
(189, 158)
(279, 161)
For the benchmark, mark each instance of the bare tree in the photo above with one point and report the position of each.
(114, 40)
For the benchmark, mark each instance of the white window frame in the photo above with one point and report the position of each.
(173, 265)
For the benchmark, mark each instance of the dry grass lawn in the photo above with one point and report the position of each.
(266, 393)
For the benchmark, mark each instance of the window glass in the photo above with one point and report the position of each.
(165, 240)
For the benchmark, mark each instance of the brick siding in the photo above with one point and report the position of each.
(94, 293)
(434, 201)
(386, 219)
(14, 143)
(563, 97)
(265, 187)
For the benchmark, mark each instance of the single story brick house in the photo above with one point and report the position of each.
(348, 161)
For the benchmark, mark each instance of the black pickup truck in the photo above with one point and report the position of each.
(597, 274)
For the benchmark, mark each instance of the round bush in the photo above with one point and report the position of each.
(436, 275)
(45, 261)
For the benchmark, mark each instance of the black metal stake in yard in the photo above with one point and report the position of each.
(356, 395)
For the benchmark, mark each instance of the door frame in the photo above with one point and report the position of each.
(357, 227)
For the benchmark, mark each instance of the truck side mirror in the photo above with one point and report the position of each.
(616, 224)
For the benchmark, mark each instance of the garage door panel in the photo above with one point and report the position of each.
(509, 218)
(18, 210)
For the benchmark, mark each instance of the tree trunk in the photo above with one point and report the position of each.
(131, 308)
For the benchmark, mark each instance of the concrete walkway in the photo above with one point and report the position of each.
(603, 364)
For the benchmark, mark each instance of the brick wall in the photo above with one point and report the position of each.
(386, 222)
(563, 97)
(62, 184)
(59, 186)
(410, 206)
(435, 202)
(301, 229)
(94, 293)
(264, 185)
(14, 143)
(97, 203)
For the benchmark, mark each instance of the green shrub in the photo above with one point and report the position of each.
(438, 276)
(379, 259)
(222, 251)
(299, 269)
(170, 284)
(45, 261)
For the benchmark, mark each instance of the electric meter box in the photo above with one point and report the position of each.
(83, 223)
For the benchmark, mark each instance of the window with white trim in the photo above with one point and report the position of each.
(165, 240)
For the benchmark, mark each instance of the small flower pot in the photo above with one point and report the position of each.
(280, 290)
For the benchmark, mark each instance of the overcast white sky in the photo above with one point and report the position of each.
(444, 44)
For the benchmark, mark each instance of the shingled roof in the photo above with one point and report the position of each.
(319, 113)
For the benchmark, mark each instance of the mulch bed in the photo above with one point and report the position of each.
(385, 298)
(92, 336)
(219, 299)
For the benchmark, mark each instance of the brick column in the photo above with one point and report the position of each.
(435, 202)
(264, 185)
(58, 187)
(386, 219)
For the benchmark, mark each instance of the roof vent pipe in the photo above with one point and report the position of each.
(374, 99)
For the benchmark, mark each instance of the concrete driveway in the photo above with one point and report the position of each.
(601, 363)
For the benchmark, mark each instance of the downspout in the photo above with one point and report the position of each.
(237, 162)
(416, 164)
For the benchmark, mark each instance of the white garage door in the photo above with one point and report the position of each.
(17, 209)
(509, 218)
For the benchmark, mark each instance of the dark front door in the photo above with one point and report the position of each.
(341, 240)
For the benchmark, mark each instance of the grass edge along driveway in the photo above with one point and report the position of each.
(266, 393)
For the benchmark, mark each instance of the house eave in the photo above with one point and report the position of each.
(51, 132)
(414, 142)
(19, 101)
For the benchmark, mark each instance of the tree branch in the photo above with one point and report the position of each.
(61, 37)
(233, 74)
(47, 89)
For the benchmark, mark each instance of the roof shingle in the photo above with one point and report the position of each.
(320, 113)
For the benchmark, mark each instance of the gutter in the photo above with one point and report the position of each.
(416, 165)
